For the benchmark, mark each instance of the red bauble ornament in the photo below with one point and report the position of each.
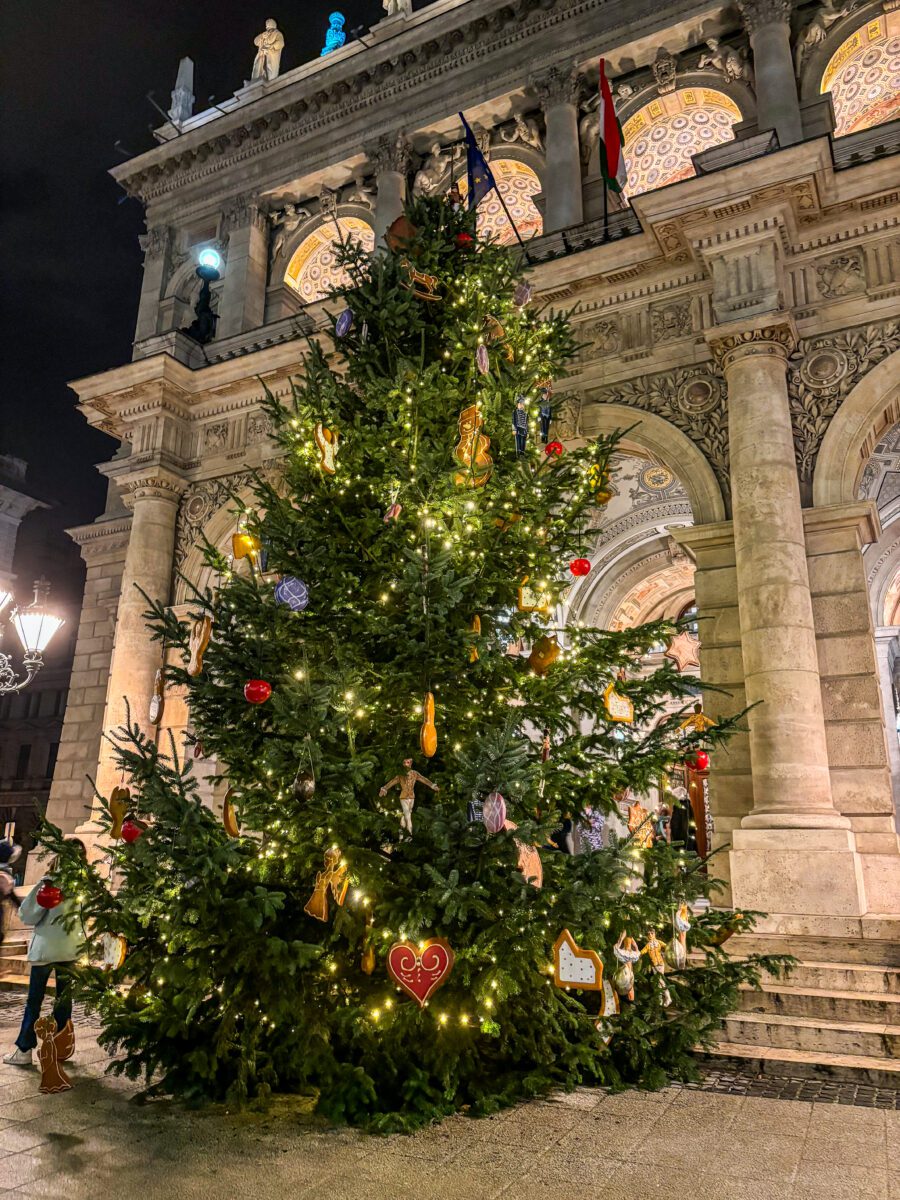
(464, 241)
(49, 895)
(257, 691)
(580, 566)
(553, 449)
(131, 831)
(698, 761)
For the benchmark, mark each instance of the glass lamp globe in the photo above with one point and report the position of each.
(36, 624)
(209, 261)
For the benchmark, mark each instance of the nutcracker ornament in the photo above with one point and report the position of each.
(626, 953)
(654, 951)
(520, 424)
(545, 411)
(406, 782)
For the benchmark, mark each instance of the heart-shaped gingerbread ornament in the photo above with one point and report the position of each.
(420, 970)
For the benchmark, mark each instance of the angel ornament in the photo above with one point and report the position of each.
(407, 784)
(627, 954)
(53, 1077)
(676, 951)
(654, 951)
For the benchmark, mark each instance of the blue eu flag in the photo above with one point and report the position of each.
(481, 178)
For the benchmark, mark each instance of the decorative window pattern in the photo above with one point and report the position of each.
(313, 269)
(661, 137)
(517, 183)
(863, 76)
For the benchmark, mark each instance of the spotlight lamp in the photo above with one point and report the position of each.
(35, 627)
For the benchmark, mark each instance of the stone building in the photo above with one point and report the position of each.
(739, 312)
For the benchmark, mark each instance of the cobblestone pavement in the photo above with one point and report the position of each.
(720, 1140)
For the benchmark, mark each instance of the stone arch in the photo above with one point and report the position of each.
(871, 407)
(217, 529)
(308, 264)
(647, 431)
(857, 60)
(518, 170)
(662, 132)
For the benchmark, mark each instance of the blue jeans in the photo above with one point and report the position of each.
(37, 989)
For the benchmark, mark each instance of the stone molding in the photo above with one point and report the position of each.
(777, 339)
(757, 13)
(152, 487)
(556, 85)
(102, 538)
(822, 371)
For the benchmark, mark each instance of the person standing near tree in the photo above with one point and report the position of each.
(52, 949)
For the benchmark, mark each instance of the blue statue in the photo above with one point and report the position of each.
(335, 36)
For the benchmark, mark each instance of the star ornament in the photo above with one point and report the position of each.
(684, 650)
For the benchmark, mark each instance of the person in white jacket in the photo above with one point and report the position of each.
(52, 948)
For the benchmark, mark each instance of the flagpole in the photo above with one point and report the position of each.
(605, 210)
(512, 222)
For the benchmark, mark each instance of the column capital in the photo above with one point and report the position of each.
(556, 85)
(390, 152)
(774, 335)
(757, 13)
(242, 211)
(152, 486)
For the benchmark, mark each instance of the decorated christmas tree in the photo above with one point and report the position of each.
(386, 913)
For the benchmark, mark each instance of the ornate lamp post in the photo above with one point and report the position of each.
(35, 626)
(203, 327)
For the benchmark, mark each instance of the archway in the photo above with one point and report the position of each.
(863, 75)
(517, 183)
(314, 269)
(661, 138)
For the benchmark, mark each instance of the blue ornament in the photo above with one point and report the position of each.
(344, 323)
(334, 36)
(292, 592)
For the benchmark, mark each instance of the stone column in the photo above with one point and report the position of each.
(153, 501)
(243, 297)
(389, 157)
(558, 89)
(791, 784)
(768, 23)
(156, 244)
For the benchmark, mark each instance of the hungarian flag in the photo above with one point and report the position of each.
(612, 159)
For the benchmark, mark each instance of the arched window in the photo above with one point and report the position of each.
(863, 76)
(661, 137)
(313, 269)
(517, 183)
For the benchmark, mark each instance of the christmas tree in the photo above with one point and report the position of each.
(409, 740)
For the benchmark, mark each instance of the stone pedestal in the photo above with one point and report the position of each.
(814, 872)
(778, 107)
(558, 91)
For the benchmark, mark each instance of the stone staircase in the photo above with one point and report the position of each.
(837, 1014)
(14, 963)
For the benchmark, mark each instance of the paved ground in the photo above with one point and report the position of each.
(684, 1143)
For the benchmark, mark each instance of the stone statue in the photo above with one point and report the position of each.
(328, 201)
(526, 131)
(286, 222)
(432, 171)
(727, 61)
(269, 46)
(360, 194)
(624, 91)
(589, 134)
(397, 8)
(665, 68)
(817, 30)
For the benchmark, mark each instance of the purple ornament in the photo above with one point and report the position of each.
(292, 592)
(481, 359)
(493, 813)
(343, 324)
(523, 293)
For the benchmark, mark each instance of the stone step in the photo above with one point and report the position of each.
(828, 1004)
(825, 1037)
(842, 977)
(807, 1064)
(880, 952)
(19, 983)
(15, 964)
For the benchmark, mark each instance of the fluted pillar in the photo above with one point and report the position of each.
(243, 298)
(768, 22)
(153, 501)
(788, 751)
(558, 88)
(389, 157)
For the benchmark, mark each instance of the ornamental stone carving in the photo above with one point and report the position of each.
(215, 437)
(152, 487)
(777, 338)
(525, 131)
(817, 30)
(670, 321)
(359, 193)
(694, 400)
(757, 13)
(842, 275)
(733, 65)
(240, 212)
(556, 85)
(285, 222)
(200, 502)
(822, 372)
(601, 336)
(434, 171)
(391, 152)
(665, 70)
(259, 427)
(155, 241)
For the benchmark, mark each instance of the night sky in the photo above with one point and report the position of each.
(73, 80)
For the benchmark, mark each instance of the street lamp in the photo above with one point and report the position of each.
(35, 626)
(203, 327)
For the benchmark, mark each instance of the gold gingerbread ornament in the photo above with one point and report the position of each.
(406, 782)
(472, 449)
(53, 1077)
(119, 804)
(428, 731)
(327, 442)
(334, 878)
(201, 632)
